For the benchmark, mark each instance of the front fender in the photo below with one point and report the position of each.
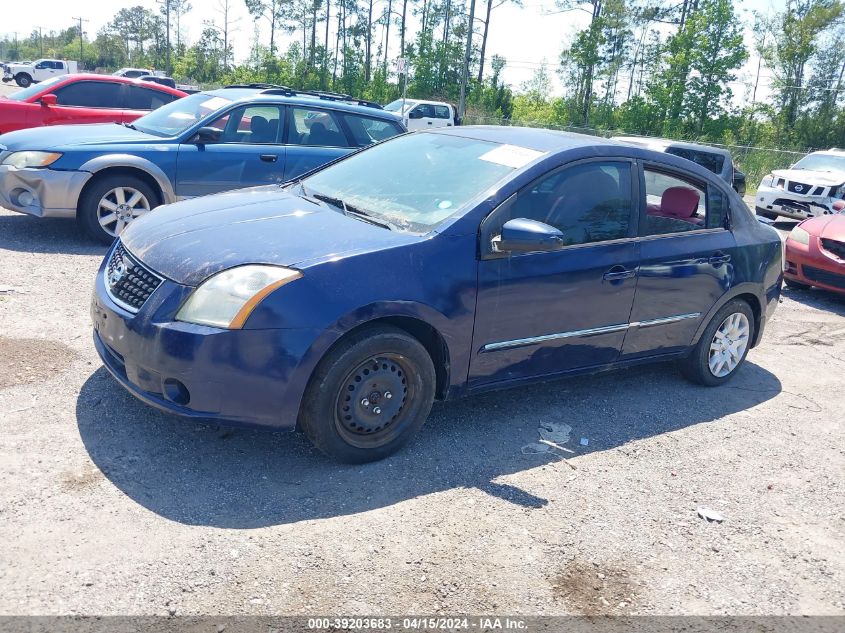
(373, 313)
(110, 161)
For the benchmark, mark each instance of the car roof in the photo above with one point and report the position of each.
(283, 95)
(833, 151)
(539, 139)
(661, 144)
(116, 79)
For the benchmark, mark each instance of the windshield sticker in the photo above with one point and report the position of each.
(511, 156)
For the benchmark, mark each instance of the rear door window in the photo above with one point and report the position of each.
(91, 94)
(316, 127)
(366, 130)
(676, 204)
(139, 98)
(442, 112)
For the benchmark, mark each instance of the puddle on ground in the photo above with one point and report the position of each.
(29, 360)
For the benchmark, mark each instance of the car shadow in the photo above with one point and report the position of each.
(24, 233)
(817, 298)
(200, 474)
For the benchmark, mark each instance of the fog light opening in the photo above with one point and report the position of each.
(176, 391)
(23, 197)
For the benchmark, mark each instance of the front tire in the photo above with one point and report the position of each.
(109, 205)
(723, 346)
(23, 80)
(795, 285)
(369, 396)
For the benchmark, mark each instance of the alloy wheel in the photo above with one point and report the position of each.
(729, 344)
(120, 206)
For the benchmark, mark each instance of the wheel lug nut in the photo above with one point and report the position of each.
(377, 410)
(388, 395)
(365, 403)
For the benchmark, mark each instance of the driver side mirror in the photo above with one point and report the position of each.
(206, 135)
(415, 114)
(49, 100)
(522, 235)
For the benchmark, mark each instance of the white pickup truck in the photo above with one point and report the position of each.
(26, 74)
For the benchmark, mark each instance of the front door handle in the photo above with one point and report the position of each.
(719, 258)
(618, 273)
(269, 158)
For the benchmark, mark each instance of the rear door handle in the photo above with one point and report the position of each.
(719, 258)
(618, 273)
(269, 158)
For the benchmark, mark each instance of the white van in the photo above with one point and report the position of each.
(422, 115)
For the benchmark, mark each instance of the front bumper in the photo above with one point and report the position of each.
(55, 193)
(790, 205)
(812, 265)
(247, 377)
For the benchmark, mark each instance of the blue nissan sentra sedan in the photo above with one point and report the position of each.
(430, 266)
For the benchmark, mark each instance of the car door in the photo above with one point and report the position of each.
(549, 312)
(45, 70)
(421, 117)
(315, 136)
(686, 260)
(85, 102)
(247, 153)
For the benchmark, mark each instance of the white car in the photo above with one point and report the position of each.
(25, 74)
(809, 188)
(424, 115)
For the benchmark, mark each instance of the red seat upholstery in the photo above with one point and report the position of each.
(679, 203)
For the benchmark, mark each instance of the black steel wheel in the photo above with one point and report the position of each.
(369, 395)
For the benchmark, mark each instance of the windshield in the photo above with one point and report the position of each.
(821, 162)
(177, 116)
(396, 106)
(34, 89)
(414, 182)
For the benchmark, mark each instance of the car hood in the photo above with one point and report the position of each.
(824, 178)
(192, 240)
(831, 227)
(65, 136)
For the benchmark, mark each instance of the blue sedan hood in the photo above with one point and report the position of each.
(65, 136)
(191, 240)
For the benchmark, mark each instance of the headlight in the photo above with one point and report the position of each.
(227, 298)
(800, 235)
(767, 180)
(31, 159)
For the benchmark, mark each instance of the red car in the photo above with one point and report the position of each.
(82, 98)
(815, 252)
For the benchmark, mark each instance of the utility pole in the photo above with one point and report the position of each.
(40, 42)
(81, 53)
(465, 75)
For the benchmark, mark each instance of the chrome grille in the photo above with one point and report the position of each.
(128, 282)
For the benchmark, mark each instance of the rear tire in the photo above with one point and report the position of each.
(23, 80)
(113, 202)
(723, 346)
(369, 395)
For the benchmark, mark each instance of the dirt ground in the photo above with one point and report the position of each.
(109, 507)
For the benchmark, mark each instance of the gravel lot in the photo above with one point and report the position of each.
(109, 507)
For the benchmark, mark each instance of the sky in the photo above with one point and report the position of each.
(527, 37)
